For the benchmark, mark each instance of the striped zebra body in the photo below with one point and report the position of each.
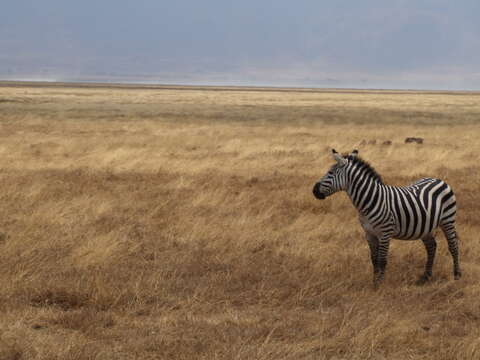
(414, 211)
(386, 212)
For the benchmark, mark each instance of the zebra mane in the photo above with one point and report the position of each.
(359, 162)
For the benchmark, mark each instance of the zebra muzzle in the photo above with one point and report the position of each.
(317, 193)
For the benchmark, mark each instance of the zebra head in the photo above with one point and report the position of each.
(336, 178)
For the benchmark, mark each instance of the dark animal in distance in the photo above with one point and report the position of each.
(413, 140)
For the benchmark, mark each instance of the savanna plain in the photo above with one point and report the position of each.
(179, 223)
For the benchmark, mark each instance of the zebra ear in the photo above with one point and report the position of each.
(339, 158)
(354, 153)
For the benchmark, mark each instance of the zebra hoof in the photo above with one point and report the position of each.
(423, 280)
(457, 275)
(376, 284)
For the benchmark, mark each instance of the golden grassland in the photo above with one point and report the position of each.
(179, 223)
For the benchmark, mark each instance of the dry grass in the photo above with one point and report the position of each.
(180, 224)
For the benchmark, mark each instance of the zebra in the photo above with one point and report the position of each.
(385, 212)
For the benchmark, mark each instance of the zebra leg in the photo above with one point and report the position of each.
(452, 239)
(373, 244)
(431, 247)
(382, 253)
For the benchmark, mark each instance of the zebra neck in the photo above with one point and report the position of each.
(365, 193)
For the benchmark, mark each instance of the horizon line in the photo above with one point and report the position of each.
(216, 87)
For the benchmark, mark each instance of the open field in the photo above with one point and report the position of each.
(179, 223)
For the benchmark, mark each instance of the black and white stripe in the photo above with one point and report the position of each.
(386, 212)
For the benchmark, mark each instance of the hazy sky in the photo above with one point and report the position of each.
(305, 42)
